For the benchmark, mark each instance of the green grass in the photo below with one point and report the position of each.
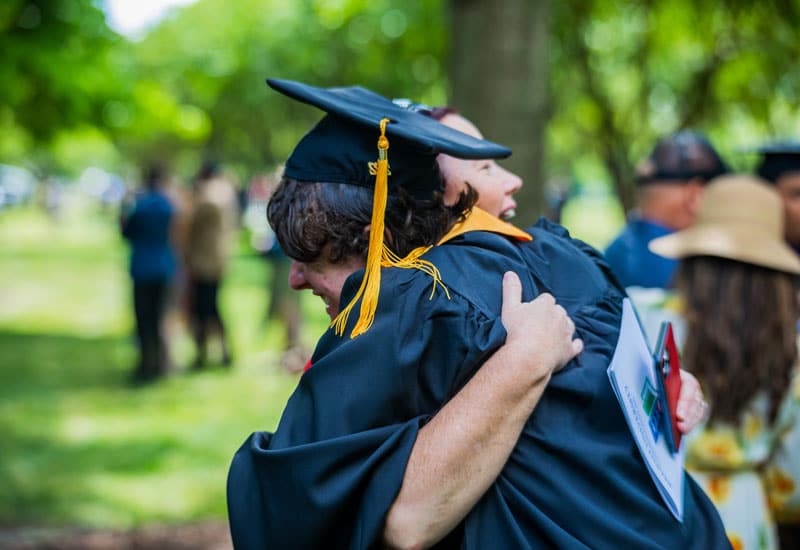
(79, 445)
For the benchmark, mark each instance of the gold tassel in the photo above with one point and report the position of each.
(378, 254)
(412, 261)
(371, 283)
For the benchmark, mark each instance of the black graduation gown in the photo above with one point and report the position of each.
(329, 473)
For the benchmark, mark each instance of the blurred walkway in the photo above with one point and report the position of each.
(211, 535)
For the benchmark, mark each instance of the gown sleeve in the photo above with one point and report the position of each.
(330, 472)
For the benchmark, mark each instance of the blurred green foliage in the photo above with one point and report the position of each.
(56, 68)
(195, 85)
(214, 56)
(626, 73)
(77, 444)
(622, 73)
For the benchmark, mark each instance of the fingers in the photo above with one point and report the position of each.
(577, 347)
(512, 292)
(691, 395)
(570, 322)
(539, 332)
(692, 408)
(687, 378)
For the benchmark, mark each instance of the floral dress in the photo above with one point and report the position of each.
(751, 471)
(727, 461)
(782, 474)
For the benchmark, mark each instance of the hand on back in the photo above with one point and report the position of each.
(540, 333)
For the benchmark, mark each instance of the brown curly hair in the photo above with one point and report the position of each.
(742, 332)
(309, 218)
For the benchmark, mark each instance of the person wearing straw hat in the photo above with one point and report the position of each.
(736, 278)
(414, 425)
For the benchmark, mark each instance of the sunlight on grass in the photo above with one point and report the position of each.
(80, 446)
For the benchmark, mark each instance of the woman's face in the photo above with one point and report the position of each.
(495, 185)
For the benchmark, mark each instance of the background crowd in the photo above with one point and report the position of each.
(667, 143)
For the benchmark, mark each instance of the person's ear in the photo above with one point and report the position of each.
(694, 196)
(387, 235)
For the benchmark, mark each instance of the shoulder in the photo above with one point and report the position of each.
(629, 238)
(567, 267)
(424, 342)
(473, 265)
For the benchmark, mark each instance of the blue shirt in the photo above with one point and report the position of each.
(633, 263)
(148, 230)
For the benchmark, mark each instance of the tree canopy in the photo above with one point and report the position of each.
(619, 75)
(624, 74)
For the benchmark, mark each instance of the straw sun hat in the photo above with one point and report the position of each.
(742, 219)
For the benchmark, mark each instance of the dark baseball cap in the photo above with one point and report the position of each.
(680, 157)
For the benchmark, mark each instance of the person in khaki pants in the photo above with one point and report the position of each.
(209, 240)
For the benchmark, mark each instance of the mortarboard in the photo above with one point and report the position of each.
(777, 159)
(351, 145)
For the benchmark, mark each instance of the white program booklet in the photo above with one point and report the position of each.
(633, 376)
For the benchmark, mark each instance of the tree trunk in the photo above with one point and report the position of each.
(499, 70)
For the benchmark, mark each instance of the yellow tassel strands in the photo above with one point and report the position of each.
(378, 255)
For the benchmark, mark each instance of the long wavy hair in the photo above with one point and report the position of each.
(312, 219)
(742, 332)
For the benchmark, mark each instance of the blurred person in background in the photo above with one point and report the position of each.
(670, 189)
(52, 197)
(670, 183)
(780, 165)
(176, 316)
(737, 280)
(782, 473)
(284, 303)
(147, 224)
(210, 237)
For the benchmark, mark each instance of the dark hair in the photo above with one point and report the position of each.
(438, 113)
(681, 156)
(154, 176)
(741, 336)
(310, 219)
(208, 169)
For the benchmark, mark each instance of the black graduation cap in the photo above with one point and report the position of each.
(367, 140)
(777, 159)
(342, 146)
